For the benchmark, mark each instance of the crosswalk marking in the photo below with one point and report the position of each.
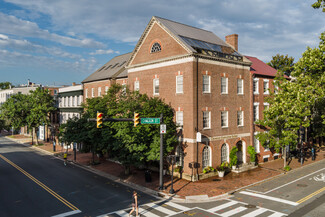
(233, 211)
(122, 213)
(160, 208)
(214, 209)
(277, 214)
(255, 212)
(147, 213)
(177, 206)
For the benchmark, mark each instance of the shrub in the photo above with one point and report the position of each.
(208, 169)
(178, 169)
(252, 153)
(233, 156)
(287, 168)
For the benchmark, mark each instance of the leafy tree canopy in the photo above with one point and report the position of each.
(283, 63)
(319, 4)
(5, 85)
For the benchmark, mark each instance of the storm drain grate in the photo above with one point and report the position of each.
(216, 180)
(250, 206)
(302, 185)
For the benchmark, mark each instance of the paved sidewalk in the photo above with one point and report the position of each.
(212, 187)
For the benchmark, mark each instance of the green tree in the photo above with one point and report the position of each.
(41, 103)
(5, 85)
(319, 4)
(15, 110)
(298, 102)
(283, 63)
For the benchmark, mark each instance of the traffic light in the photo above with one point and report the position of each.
(99, 120)
(136, 119)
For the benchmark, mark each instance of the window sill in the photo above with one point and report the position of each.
(266, 93)
(223, 93)
(256, 93)
(207, 128)
(206, 92)
(240, 126)
(179, 92)
(240, 94)
(224, 127)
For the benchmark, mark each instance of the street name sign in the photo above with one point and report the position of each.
(150, 120)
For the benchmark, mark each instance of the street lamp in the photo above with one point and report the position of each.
(172, 160)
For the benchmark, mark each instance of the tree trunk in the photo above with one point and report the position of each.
(285, 157)
(36, 136)
(126, 169)
(32, 136)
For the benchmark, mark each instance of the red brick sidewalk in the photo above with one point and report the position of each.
(213, 186)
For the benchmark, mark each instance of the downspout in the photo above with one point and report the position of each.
(197, 115)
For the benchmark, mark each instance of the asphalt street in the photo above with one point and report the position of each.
(37, 184)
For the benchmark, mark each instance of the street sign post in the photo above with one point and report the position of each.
(162, 128)
(150, 120)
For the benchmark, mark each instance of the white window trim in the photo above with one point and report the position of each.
(177, 114)
(258, 144)
(227, 122)
(242, 83)
(210, 154)
(257, 88)
(226, 85)
(86, 93)
(227, 146)
(106, 89)
(178, 91)
(138, 86)
(242, 119)
(209, 122)
(257, 110)
(92, 92)
(268, 86)
(209, 89)
(99, 91)
(154, 85)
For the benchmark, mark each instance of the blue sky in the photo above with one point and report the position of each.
(64, 41)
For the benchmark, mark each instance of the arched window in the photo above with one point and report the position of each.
(224, 153)
(206, 156)
(156, 47)
(180, 153)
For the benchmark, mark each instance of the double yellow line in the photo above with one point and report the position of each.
(64, 201)
(311, 195)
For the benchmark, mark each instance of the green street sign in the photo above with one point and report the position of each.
(150, 120)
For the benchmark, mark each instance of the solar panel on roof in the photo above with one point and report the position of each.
(115, 65)
(122, 64)
(108, 67)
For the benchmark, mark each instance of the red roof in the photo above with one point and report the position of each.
(260, 68)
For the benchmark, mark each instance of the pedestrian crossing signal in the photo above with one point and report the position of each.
(136, 119)
(99, 120)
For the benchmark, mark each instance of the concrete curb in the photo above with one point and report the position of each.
(157, 194)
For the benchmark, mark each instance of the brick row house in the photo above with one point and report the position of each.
(205, 79)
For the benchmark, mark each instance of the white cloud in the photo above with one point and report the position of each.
(12, 25)
(99, 52)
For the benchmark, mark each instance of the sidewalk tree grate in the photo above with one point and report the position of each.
(250, 206)
(216, 180)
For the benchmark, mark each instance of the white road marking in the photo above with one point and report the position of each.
(68, 213)
(146, 213)
(214, 209)
(160, 208)
(122, 213)
(255, 212)
(293, 181)
(321, 178)
(269, 198)
(177, 206)
(233, 211)
(277, 214)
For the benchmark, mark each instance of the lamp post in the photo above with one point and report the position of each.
(172, 160)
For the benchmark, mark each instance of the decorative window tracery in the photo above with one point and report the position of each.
(156, 47)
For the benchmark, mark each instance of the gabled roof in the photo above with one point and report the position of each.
(195, 40)
(115, 68)
(260, 68)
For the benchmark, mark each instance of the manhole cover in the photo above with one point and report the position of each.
(302, 185)
(250, 206)
(216, 180)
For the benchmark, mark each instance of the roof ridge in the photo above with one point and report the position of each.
(183, 24)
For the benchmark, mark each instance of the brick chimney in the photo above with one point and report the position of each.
(73, 83)
(232, 40)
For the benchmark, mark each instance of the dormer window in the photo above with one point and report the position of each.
(156, 47)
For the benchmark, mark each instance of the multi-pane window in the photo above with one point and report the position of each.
(256, 144)
(206, 84)
(67, 101)
(224, 119)
(266, 86)
(99, 91)
(92, 92)
(136, 86)
(240, 118)
(156, 86)
(124, 88)
(179, 84)
(255, 86)
(240, 86)
(106, 89)
(206, 156)
(86, 93)
(224, 153)
(224, 85)
(255, 112)
(179, 118)
(276, 88)
(206, 119)
(156, 47)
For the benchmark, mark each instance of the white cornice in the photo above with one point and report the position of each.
(70, 88)
(216, 138)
